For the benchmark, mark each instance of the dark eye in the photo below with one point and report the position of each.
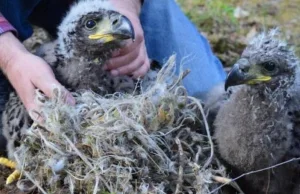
(90, 24)
(269, 66)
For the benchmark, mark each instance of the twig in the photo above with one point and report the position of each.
(96, 185)
(22, 186)
(34, 182)
(269, 180)
(227, 181)
(198, 154)
(220, 179)
(181, 77)
(256, 171)
(77, 151)
(180, 170)
(49, 144)
(208, 161)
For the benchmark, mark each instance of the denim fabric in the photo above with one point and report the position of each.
(44, 13)
(17, 13)
(168, 31)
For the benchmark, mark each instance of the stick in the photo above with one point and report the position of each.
(207, 163)
(256, 171)
(180, 171)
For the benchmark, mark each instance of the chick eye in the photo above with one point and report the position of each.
(90, 24)
(269, 66)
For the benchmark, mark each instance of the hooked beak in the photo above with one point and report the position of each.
(110, 29)
(237, 77)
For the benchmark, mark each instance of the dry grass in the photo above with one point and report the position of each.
(155, 142)
(229, 32)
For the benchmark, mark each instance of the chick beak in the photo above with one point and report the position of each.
(125, 29)
(116, 28)
(241, 74)
(235, 77)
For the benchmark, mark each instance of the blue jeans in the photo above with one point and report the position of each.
(167, 31)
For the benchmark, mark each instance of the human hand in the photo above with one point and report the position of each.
(131, 59)
(27, 72)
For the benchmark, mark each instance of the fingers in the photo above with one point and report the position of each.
(123, 60)
(47, 83)
(131, 67)
(142, 70)
(116, 53)
(138, 67)
(135, 62)
(27, 95)
(47, 86)
(139, 42)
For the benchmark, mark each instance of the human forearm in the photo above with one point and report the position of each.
(9, 49)
(9, 44)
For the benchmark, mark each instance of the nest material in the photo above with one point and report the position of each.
(155, 142)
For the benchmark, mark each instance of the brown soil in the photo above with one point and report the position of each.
(6, 189)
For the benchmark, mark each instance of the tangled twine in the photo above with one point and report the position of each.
(155, 142)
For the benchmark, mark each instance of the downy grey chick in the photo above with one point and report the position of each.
(258, 126)
(87, 36)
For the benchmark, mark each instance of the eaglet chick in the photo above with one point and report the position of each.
(258, 126)
(87, 36)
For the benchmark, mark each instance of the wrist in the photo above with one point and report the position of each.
(11, 48)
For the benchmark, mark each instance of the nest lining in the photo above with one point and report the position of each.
(155, 142)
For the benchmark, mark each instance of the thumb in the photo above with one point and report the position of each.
(48, 85)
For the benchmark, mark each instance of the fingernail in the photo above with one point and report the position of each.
(114, 72)
(70, 100)
(36, 116)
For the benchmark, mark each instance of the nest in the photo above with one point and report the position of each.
(155, 142)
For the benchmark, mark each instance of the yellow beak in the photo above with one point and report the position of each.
(237, 77)
(259, 79)
(118, 29)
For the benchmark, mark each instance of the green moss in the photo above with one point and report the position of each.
(201, 11)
